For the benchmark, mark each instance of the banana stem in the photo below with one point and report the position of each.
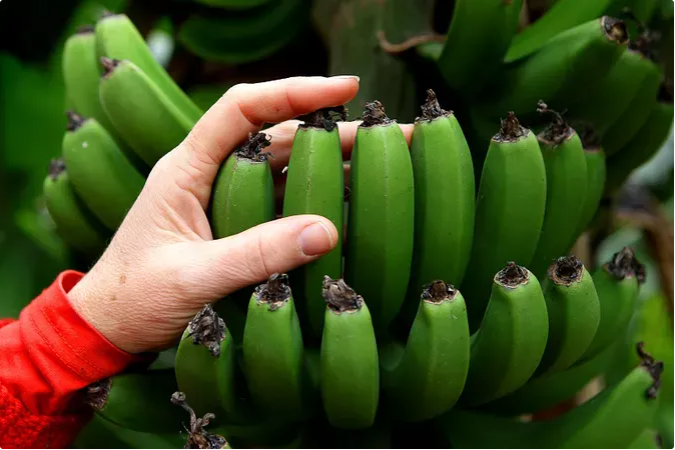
(198, 437)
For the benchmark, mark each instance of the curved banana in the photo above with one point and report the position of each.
(573, 314)
(426, 378)
(635, 114)
(596, 173)
(76, 225)
(350, 376)
(603, 107)
(241, 37)
(381, 216)
(140, 111)
(315, 185)
(612, 419)
(510, 343)
(617, 283)
(509, 211)
(641, 147)
(99, 172)
(444, 201)
(118, 38)
(564, 70)
(478, 37)
(137, 401)
(566, 180)
(273, 352)
(563, 15)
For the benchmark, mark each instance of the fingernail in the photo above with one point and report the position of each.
(315, 239)
(347, 77)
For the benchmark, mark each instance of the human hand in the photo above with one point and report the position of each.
(163, 264)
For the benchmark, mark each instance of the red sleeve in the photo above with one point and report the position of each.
(46, 357)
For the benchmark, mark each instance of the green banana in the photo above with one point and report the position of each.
(510, 343)
(617, 283)
(140, 111)
(642, 146)
(603, 107)
(117, 38)
(81, 73)
(573, 314)
(635, 114)
(648, 439)
(444, 200)
(612, 419)
(564, 14)
(479, 35)
(380, 229)
(137, 401)
(233, 4)
(426, 378)
(566, 181)
(74, 223)
(596, 172)
(549, 389)
(204, 352)
(564, 70)
(244, 36)
(99, 172)
(99, 433)
(350, 378)
(509, 211)
(273, 352)
(315, 185)
(197, 436)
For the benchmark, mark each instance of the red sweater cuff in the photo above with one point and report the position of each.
(51, 352)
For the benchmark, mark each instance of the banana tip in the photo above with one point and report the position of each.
(615, 29)
(207, 329)
(566, 270)
(624, 264)
(431, 109)
(96, 394)
(439, 291)
(325, 118)
(374, 114)
(252, 149)
(56, 168)
(512, 275)
(339, 296)
(510, 129)
(275, 292)
(653, 367)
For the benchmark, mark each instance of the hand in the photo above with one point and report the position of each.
(163, 265)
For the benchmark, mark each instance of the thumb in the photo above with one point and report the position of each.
(274, 247)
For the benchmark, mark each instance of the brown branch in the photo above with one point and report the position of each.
(409, 43)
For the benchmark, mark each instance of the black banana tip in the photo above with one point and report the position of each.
(558, 130)
(510, 129)
(431, 109)
(512, 275)
(439, 291)
(275, 292)
(655, 369)
(198, 437)
(624, 264)
(615, 29)
(339, 296)
(374, 114)
(325, 118)
(109, 65)
(252, 149)
(84, 29)
(56, 168)
(207, 329)
(96, 394)
(75, 120)
(566, 270)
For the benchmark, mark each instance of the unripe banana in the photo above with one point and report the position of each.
(273, 352)
(595, 185)
(566, 181)
(99, 172)
(140, 111)
(444, 201)
(480, 33)
(642, 146)
(100, 433)
(564, 70)
(612, 419)
(509, 211)
(507, 349)
(118, 38)
(76, 225)
(428, 377)
(617, 284)
(573, 314)
(381, 215)
(138, 401)
(315, 185)
(350, 376)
